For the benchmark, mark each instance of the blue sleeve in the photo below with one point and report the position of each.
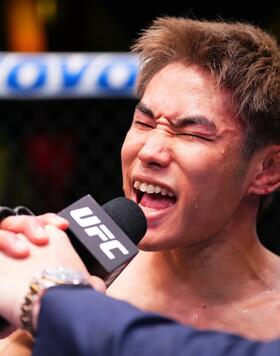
(83, 322)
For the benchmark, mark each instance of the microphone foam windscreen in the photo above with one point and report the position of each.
(128, 216)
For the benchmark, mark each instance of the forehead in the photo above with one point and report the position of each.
(179, 91)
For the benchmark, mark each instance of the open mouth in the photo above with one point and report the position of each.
(153, 196)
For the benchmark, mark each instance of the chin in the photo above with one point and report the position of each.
(149, 245)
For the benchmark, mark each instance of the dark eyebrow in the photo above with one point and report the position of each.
(194, 120)
(143, 108)
(181, 122)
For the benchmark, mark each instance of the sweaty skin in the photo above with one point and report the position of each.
(202, 262)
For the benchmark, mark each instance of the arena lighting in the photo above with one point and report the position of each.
(67, 75)
(25, 29)
(46, 9)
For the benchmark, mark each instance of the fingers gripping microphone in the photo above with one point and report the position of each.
(105, 237)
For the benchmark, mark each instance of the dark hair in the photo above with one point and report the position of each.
(241, 57)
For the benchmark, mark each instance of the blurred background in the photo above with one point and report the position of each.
(54, 150)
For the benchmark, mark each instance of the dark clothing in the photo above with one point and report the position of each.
(81, 321)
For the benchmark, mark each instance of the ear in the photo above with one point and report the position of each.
(267, 178)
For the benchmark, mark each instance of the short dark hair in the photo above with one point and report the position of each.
(241, 57)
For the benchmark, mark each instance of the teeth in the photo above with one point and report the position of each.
(157, 189)
(150, 189)
(143, 187)
(136, 185)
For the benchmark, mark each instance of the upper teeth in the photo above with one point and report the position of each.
(151, 188)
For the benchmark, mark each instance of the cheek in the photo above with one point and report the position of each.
(197, 165)
(131, 147)
(209, 178)
(127, 152)
(202, 163)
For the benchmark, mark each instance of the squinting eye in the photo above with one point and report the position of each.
(141, 123)
(193, 137)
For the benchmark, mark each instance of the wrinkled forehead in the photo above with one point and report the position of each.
(179, 91)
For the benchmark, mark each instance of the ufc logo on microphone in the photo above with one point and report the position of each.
(93, 226)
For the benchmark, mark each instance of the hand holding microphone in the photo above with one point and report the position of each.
(105, 237)
(107, 234)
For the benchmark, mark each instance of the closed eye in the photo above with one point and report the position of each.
(143, 124)
(193, 136)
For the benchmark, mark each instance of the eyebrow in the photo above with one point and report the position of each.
(181, 122)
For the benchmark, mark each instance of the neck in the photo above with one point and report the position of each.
(223, 273)
(231, 265)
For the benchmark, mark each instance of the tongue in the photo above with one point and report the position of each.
(157, 201)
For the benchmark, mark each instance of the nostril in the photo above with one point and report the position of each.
(154, 164)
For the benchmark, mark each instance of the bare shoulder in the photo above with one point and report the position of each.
(260, 316)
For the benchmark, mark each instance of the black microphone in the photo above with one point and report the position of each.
(105, 237)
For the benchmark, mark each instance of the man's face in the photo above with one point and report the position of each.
(181, 158)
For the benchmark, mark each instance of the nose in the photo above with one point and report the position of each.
(155, 152)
